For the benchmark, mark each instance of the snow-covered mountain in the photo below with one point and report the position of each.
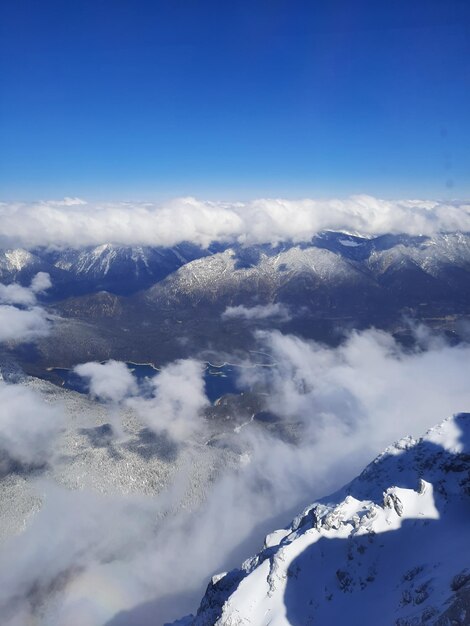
(111, 260)
(390, 548)
(18, 265)
(170, 299)
(123, 269)
(418, 268)
(119, 269)
(258, 274)
(335, 274)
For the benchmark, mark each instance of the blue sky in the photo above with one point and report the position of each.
(137, 99)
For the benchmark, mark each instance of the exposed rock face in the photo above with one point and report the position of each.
(390, 548)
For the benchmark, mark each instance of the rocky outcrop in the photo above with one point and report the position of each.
(390, 548)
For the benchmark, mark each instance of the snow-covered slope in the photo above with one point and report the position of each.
(432, 255)
(391, 548)
(232, 273)
(109, 259)
(16, 263)
(122, 269)
(130, 268)
(414, 269)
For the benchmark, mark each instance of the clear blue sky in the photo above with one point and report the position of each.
(141, 99)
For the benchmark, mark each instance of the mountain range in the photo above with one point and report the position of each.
(395, 262)
(118, 269)
(149, 304)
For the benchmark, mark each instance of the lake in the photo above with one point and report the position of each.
(219, 380)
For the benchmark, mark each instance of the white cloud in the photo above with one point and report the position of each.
(107, 554)
(22, 325)
(28, 425)
(171, 402)
(67, 201)
(178, 397)
(258, 312)
(29, 322)
(111, 381)
(16, 294)
(41, 282)
(368, 384)
(75, 223)
(25, 296)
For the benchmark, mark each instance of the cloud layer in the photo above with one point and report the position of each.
(73, 222)
(369, 387)
(108, 554)
(25, 296)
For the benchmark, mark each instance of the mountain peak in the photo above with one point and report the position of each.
(389, 548)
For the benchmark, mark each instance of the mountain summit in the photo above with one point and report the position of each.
(390, 548)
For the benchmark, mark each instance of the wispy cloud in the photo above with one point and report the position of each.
(26, 296)
(21, 319)
(98, 555)
(258, 312)
(170, 403)
(176, 402)
(28, 426)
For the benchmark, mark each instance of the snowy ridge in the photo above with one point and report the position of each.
(100, 260)
(390, 548)
(226, 273)
(331, 257)
(84, 270)
(432, 256)
(18, 259)
(14, 261)
(390, 270)
(423, 268)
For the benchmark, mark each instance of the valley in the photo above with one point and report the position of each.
(230, 374)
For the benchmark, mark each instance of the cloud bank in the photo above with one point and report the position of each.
(75, 223)
(369, 386)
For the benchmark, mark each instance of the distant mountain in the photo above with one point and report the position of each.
(162, 304)
(415, 270)
(391, 548)
(295, 275)
(123, 270)
(118, 269)
(336, 274)
(18, 265)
